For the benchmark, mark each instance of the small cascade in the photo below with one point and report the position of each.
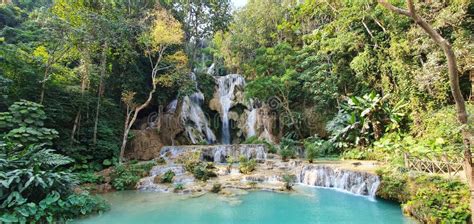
(150, 184)
(251, 122)
(211, 69)
(217, 153)
(360, 183)
(226, 87)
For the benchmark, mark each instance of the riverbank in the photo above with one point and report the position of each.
(428, 198)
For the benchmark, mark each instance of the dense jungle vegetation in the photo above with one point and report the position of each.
(353, 80)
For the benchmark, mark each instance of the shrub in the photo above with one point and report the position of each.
(287, 148)
(168, 177)
(191, 161)
(23, 124)
(255, 140)
(178, 187)
(246, 165)
(355, 153)
(90, 177)
(216, 188)
(35, 187)
(125, 177)
(440, 124)
(204, 171)
(289, 180)
(230, 161)
(362, 120)
(429, 198)
(316, 147)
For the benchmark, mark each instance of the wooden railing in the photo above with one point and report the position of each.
(450, 164)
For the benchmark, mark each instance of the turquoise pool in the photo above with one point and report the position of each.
(312, 205)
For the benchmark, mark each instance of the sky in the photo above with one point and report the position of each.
(239, 3)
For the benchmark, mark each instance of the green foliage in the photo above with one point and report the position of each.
(355, 153)
(56, 209)
(431, 199)
(35, 189)
(254, 140)
(24, 124)
(287, 148)
(204, 171)
(441, 126)
(289, 180)
(316, 147)
(191, 161)
(200, 170)
(90, 177)
(178, 187)
(361, 120)
(216, 188)
(168, 177)
(125, 177)
(246, 166)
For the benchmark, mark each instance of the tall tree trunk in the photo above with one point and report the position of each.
(125, 134)
(55, 56)
(471, 78)
(454, 84)
(43, 83)
(135, 110)
(84, 83)
(129, 122)
(103, 67)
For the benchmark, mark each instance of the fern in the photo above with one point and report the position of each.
(48, 157)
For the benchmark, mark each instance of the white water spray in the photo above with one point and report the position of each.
(226, 87)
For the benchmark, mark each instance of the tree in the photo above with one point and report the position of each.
(453, 81)
(254, 26)
(162, 32)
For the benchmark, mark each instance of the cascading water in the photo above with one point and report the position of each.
(226, 87)
(193, 117)
(360, 183)
(217, 153)
(211, 69)
(251, 121)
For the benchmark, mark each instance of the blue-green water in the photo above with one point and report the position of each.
(313, 206)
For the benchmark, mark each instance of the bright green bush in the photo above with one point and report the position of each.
(289, 180)
(178, 187)
(168, 177)
(429, 198)
(204, 171)
(191, 161)
(246, 165)
(125, 177)
(440, 129)
(287, 148)
(24, 124)
(255, 140)
(90, 177)
(362, 120)
(36, 189)
(316, 147)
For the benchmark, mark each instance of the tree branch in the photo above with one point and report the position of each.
(393, 8)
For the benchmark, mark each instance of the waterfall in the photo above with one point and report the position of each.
(217, 153)
(226, 87)
(193, 117)
(360, 183)
(211, 69)
(251, 120)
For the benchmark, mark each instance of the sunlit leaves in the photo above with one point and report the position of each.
(165, 30)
